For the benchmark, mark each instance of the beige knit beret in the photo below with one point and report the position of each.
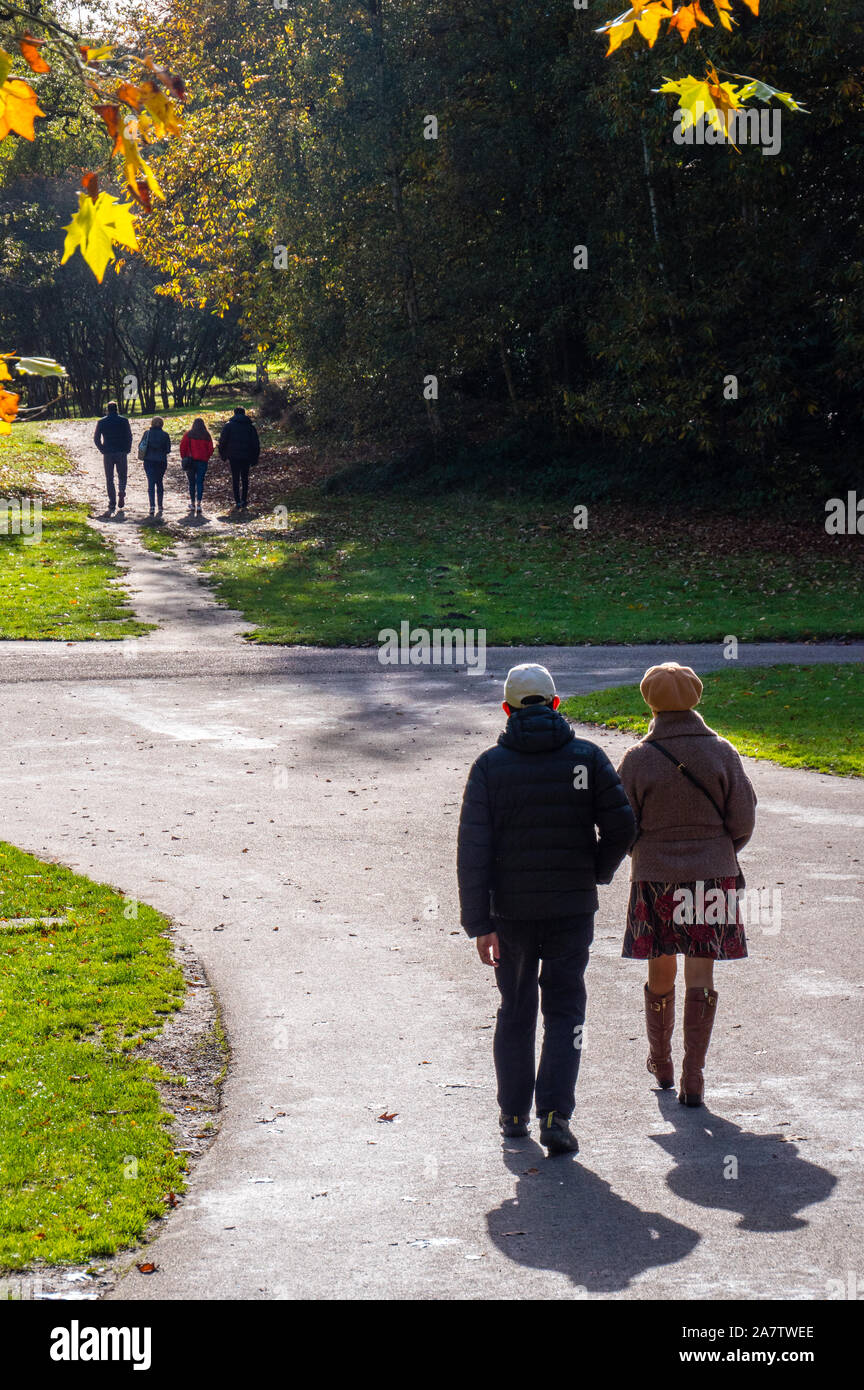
(671, 686)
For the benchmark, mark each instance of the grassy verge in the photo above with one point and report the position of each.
(23, 453)
(346, 567)
(54, 568)
(798, 716)
(156, 540)
(86, 1157)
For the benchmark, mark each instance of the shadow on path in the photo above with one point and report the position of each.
(565, 1218)
(722, 1166)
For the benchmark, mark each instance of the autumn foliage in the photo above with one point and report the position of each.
(136, 102)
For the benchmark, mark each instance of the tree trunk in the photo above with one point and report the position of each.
(409, 282)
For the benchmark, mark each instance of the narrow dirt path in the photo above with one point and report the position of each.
(165, 589)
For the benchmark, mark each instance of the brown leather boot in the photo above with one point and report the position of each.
(700, 1009)
(659, 1024)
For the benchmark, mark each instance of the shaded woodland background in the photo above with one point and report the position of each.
(406, 257)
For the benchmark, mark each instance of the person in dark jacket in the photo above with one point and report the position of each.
(157, 448)
(240, 446)
(113, 438)
(529, 862)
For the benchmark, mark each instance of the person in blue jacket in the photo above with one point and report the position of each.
(156, 447)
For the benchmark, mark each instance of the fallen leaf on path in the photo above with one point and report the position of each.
(147, 1268)
(387, 1117)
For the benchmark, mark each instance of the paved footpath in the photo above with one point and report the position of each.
(296, 811)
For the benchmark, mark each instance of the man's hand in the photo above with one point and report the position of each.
(488, 949)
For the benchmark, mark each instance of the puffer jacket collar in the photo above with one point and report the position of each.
(536, 729)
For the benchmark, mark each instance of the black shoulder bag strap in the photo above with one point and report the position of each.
(691, 777)
(688, 774)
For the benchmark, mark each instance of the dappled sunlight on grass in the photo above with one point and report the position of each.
(349, 566)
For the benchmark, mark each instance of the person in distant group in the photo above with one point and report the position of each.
(239, 446)
(154, 449)
(196, 448)
(113, 438)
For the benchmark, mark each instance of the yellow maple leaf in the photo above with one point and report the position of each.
(137, 168)
(706, 97)
(8, 410)
(95, 228)
(752, 5)
(165, 118)
(644, 15)
(651, 18)
(18, 105)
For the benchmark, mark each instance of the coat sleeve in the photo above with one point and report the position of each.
(97, 437)
(185, 451)
(740, 807)
(474, 856)
(257, 444)
(614, 818)
(223, 439)
(128, 436)
(627, 771)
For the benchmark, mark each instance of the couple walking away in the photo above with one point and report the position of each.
(239, 446)
(545, 819)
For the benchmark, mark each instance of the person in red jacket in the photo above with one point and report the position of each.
(196, 448)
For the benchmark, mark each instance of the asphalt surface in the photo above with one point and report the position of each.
(295, 812)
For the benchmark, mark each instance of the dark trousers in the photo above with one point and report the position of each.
(240, 481)
(121, 463)
(559, 948)
(155, 484)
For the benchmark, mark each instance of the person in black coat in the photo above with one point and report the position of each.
(240, 446)
(529, 862)
(113, 438)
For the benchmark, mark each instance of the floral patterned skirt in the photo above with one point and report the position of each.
(688, 919)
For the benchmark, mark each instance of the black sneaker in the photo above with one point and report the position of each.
(514, 1126)
(555, 1134)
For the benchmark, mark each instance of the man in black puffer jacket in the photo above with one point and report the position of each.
(529, 861)
(240, 446)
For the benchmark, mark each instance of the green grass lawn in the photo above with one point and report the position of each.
(157, 540)
(23, 453)
(55, 585)
(86, 1156)
(348, 566)
(799, 716)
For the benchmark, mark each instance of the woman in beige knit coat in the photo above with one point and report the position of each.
(695, 808)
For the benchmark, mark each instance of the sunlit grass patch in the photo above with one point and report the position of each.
(799, 716)
(86, 1155)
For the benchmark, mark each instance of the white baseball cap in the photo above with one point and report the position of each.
(527, 679)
